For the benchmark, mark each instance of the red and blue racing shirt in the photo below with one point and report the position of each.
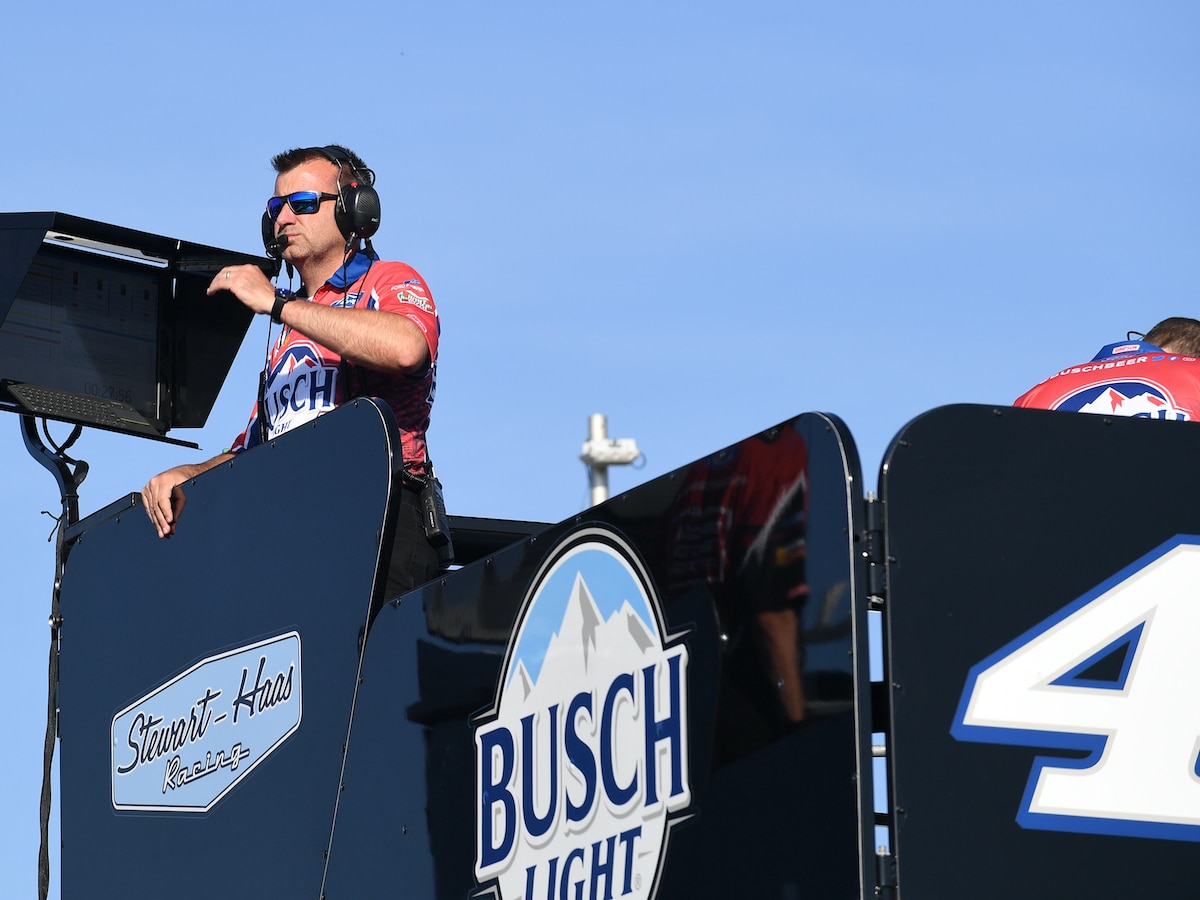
(1133, 378)
(305, 379)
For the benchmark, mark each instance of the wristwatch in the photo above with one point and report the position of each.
(281, 297)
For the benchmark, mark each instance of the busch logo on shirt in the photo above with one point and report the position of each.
(1139, 399)
(582, 762)
(299, 388)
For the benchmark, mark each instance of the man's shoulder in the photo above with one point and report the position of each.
(386, 270)
(399, 286)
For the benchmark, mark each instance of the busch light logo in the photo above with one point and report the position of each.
(186, 744)
(582, 762)
(300, 387)
(1139, 399)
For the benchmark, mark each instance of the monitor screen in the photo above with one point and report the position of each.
(114, 328)
(86, 323)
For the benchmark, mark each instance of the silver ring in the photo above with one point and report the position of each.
(228, 274)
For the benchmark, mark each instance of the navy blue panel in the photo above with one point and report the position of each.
(745, 550)
(1000, 522)
(281, 543)
(734, 576)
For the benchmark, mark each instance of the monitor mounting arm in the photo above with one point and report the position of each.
(69, 473)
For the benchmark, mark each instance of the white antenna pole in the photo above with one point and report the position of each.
(600, 452)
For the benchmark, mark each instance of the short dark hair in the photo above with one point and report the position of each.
(290, 159)
(1176, 335)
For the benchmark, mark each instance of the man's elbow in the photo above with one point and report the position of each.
(412, 360)
(406, 349)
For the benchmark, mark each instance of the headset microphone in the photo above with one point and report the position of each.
(273, 244)
(276, 246)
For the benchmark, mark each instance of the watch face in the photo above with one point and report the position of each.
(281, 297)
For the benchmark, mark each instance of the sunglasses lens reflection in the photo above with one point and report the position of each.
(303, 203)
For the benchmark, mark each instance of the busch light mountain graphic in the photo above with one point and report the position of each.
(1140, 399)
(582, 762)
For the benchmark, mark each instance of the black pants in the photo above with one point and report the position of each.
(414, 561)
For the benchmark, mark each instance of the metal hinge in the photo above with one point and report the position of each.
(874, 552)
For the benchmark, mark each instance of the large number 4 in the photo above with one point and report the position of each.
(1116, 675)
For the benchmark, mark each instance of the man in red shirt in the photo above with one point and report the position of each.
(358, 327)
(1157, 377)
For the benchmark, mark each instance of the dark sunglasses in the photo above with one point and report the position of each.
(302, 203)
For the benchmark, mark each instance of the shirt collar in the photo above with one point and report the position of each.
(353, 270)
(1125, 348)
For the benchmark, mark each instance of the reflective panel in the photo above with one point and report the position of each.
(522, 776)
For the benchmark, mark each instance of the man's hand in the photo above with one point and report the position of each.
(164, 500)
(163, 496)
(248, 284)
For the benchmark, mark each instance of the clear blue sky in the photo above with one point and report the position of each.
(696, 218)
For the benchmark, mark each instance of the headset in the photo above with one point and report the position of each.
(355, 212)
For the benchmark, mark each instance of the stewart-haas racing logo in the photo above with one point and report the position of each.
(582, 762)
(190, 741)
(1139, 399)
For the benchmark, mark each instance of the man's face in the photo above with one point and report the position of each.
(314, 236)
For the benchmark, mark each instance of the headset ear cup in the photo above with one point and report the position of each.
(357, 210)
(366, 210)
(268, 236)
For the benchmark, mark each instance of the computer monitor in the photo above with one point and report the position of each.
(111, 327)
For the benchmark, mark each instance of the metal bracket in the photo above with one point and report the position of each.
(874, 552)
(69, 474)
(885, 874)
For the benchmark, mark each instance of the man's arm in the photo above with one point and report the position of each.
(162, 497)
(376, 339)
(372, 338)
